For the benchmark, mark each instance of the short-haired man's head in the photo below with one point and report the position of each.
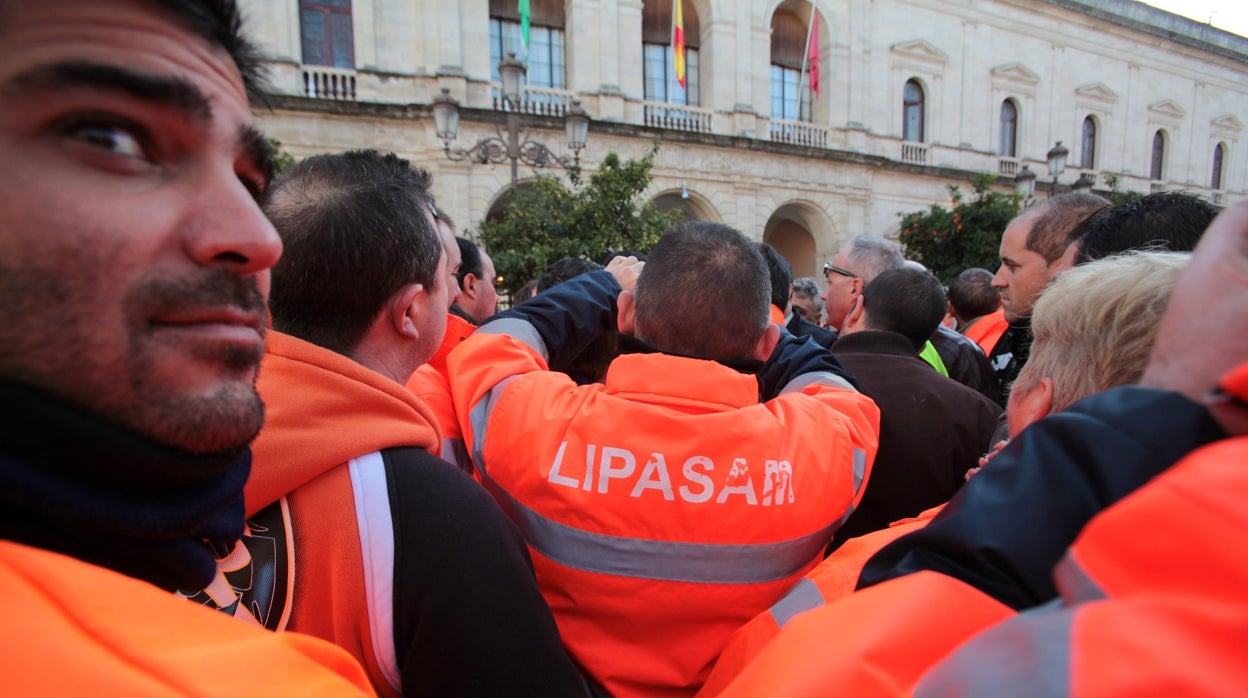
(1055, 218)
(973, 295)
(780, 274)
(807, 299)
(908, 301)
(1095, 325)
(563, 269)
(692, 262)
(807, 287)
(356, 229)
(472, 263)
(868, 256)
(1171, 220)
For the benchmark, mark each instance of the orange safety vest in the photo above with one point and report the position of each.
(665, 508)
(74, 629)
(834, 578)
(986, 331)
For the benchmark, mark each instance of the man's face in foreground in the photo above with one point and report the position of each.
(130, 238)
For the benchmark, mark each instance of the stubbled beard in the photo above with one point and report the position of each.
(226, 419)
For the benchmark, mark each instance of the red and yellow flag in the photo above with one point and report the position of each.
(678, 42)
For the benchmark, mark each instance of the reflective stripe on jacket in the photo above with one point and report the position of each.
(832, 579)
(875, 642)
(666, 507)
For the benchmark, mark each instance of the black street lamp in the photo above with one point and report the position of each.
(1057, 165)
(1025, 184)
(510, 145)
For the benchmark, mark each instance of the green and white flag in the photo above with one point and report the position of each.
(524, 30)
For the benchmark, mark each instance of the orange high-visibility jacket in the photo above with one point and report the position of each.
(987, 330)
(74, 629)
(394, 555)
(834, 578)
(1152, 599)
(665, 508)
(324, 414)
(1151, 603)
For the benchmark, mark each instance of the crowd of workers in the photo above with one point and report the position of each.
(271, 437)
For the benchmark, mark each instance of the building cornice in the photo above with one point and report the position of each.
(1166, 25)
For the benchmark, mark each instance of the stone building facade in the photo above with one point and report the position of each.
(914, 95)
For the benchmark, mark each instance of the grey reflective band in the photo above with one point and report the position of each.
(520, 330)
(816, 377)
(699, 563)
(1073, 583)
(455, 452)
(479, 418)
(1027, 655)
(803, 596)
(860, 468)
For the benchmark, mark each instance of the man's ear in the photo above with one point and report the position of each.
(626, 317)
(403, 309)
(1031, 406)
(856, 319)
(468, 287)
(767, 343)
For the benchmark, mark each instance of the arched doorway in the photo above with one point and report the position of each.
(694, 205)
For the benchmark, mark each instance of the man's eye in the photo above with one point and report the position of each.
(115, 138)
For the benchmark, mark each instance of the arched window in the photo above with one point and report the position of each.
(1159, 155)
(790, 98)
(912, 112)
(658, 71)
(1087, 150)
(546, 53)
(325, 30)
(1009, 129)
(1219, 154)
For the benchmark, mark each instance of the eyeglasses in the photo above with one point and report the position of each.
(434, 210)
(830, 267)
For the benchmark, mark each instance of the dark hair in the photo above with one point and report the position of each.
(220, 23)
(1171, 220)
(525, 292)
(472, 263)
(692, 262)
(1055, 218)
(908, 301)
(972, 294)
(780, 273)
(355, 229)
(563, 269)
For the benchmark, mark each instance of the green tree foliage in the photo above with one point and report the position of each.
(1116, 195)
(545, 220)
(948, 241)
(281, 158)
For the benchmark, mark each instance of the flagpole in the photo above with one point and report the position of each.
(801, 78)
(671, 74)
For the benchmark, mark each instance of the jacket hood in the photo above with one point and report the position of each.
(321, 410)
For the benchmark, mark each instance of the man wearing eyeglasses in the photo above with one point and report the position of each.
(864, 258)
